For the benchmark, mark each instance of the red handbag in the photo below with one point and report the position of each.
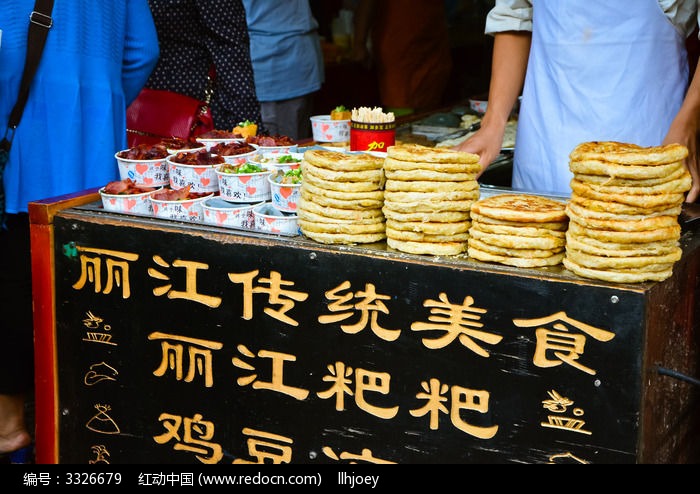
(158, 114)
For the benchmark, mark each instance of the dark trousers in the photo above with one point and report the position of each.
(16, 326)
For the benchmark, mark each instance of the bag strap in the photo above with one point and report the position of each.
(40, 22)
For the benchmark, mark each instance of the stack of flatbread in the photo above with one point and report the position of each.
(521, 230)
(341, 197)
(624, 211)
(427, 199)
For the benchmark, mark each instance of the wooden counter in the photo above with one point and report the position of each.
(165, 342)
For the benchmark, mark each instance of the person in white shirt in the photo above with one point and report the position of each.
(591, 70)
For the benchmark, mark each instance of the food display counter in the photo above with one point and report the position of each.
(167, 342)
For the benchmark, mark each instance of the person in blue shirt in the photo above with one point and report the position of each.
(98, 56)
(285, 49)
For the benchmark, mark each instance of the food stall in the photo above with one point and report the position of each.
(175, 342)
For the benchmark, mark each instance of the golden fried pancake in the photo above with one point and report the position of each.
(428, 206)
(608, 169)
(304, 214)
(394, 164)
(629, 154)
(419, 153)
(411, 175)
(635, 225)
(431, 228)
(520, 262)
(341, 186)
(544, 242)
(406, 235)
(634, 182)
(642, 201)
(341, 203)
(550, 225)
(681, 184)
(656, 235)
(376, 195)
(622, 262)
(614, 207)
(429, 248)
(335, 161)
(521, 207)
(512, 252)
(617, 276)
(352, 228)
(345, 238)
(340, 213)
(426, 217)
(573, 208)
(343, 176)
(429, 186)
(458, 195)
(522, 231)
(617, 249)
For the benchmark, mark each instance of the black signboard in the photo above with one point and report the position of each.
(187, 347)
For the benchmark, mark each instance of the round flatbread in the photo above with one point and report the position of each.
(608, 169)
(521, 207)
(303, 214)
(520, 231)
(394, 164)
(343, 176)
(342, 203)
(544, 242)
(617, 276)
(512, 252)
(430, 228)
(374, 195)
(419, 153)
(351, 228)
(617, 249)
(615, 207)
(406, 235)
(428, 248)
(426, 217)
(633, 182)
(428, 206)
(335, 161)
(458, 195)
(618, 225)
(642, 201)
(339, 213)
(550, 225)
(429, 186)
(341, 186)
(410, 175)
(520, 262)
(345, 238)
(629, 154)
(679, 185)
(573, 208)
(619, 262)
(656, 235)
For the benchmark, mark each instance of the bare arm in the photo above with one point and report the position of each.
(510, 54)
(684, 130)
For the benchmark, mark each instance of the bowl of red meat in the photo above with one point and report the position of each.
(216, 136)
(145, 164)
(196, 169)
(177, 144)
(125, 196)
(234, 153)
(275, 142)
(179, 204)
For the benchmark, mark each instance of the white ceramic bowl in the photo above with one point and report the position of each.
(269, 219)
(235, 159)
(151, 173)
(326, 130)
(200, 178)
(128, 203)
(282, 149)
(285, 197)
(183, 210)
(277, 160)
(243, 187)
(229, 214)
